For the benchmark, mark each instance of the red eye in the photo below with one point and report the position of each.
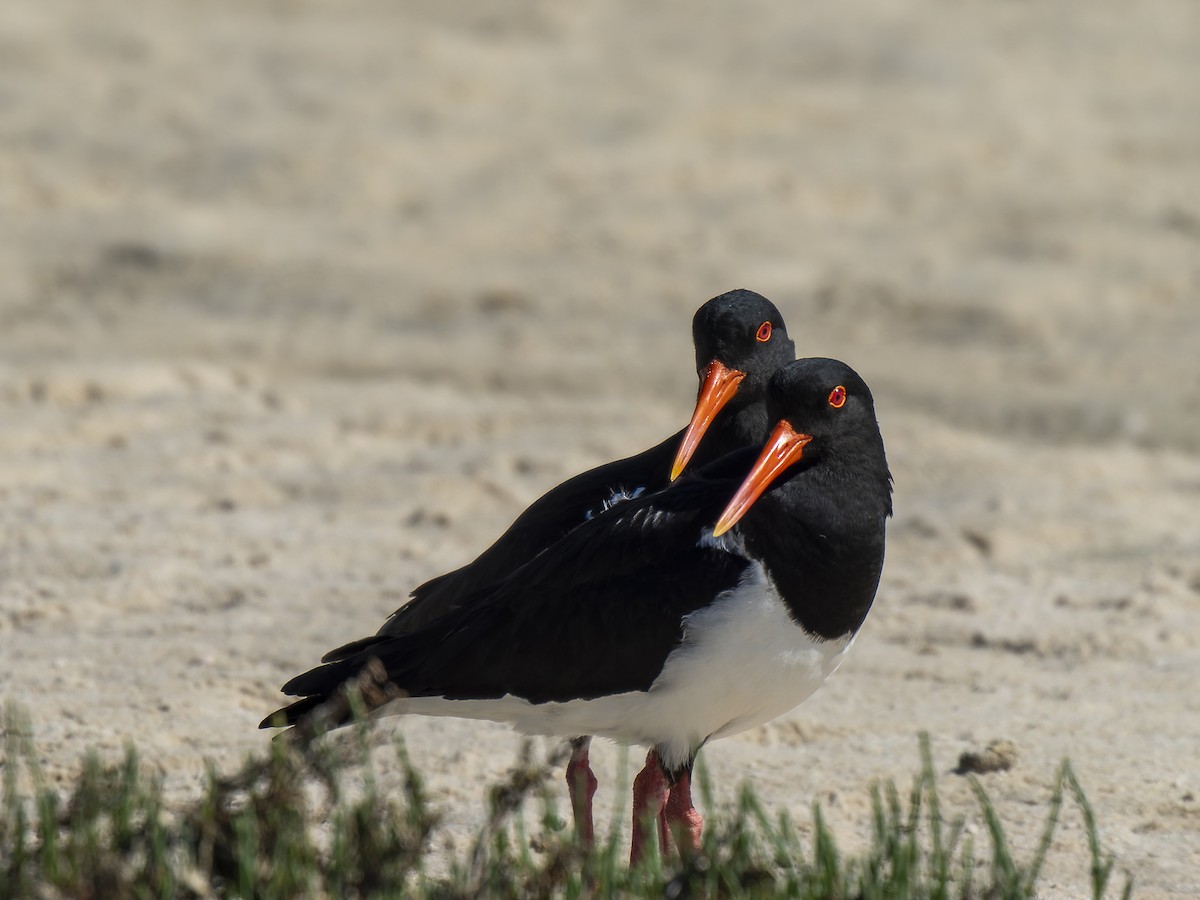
(837, 397)
(764, 332)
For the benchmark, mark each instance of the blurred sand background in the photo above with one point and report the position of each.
(301, 303)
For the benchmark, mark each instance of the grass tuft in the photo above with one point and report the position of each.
(314, 823)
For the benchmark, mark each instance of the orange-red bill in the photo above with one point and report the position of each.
(784, 447)
(720, 384)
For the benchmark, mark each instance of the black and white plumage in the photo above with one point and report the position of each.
(740, 340)
(641, 625)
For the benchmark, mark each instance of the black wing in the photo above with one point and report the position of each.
(595, 614)
(548, 519)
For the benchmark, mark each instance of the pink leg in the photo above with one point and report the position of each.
(581, 785)
(649, 803)
(684, 819)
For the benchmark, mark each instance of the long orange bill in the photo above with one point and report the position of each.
(720, 384)
(784, 447)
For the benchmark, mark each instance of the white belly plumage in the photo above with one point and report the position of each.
(743, 661)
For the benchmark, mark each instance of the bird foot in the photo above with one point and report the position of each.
(650, 795)
(581, 786)
(682, 817)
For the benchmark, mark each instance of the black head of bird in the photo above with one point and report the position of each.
(740, 340)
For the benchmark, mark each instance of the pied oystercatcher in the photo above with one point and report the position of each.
(740, 340)
(670, 618)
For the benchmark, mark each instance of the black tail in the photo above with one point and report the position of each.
(292, 713)
(333, 695)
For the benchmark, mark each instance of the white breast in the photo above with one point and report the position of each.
(743, 661)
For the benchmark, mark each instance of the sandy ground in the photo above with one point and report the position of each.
(301, 303)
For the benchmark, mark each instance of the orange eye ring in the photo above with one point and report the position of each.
(764, 332)
(837, 397)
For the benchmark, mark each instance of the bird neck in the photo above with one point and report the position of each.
(820, 538)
